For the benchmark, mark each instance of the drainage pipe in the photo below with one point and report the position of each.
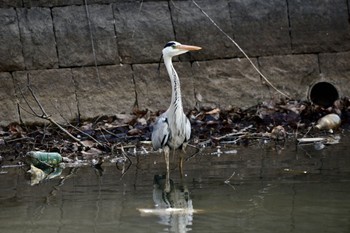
(323, 94)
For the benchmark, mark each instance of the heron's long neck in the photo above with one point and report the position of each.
(176, 101)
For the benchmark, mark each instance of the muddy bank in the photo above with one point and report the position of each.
(124, 135)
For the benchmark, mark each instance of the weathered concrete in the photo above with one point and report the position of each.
(319, 27)
(11, 57)
(220, 83)
(7, 99)
(334, 62)
(10, 3)
(140, 29)
(261, 27)
(336, 70)
(192, 27)
(291, 74)
(76, 44)
(108, 91)
(37, 37)
(295, 44)
(54, 89)
(50, 3)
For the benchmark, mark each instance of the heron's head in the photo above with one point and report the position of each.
(173, 48)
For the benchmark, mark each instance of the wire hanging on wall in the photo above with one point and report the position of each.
(240, 49)
(92, 43)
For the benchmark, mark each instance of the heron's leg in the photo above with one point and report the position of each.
(182, 154)
(167, 181)
(181, 164)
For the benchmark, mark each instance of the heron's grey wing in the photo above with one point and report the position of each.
(160, 133)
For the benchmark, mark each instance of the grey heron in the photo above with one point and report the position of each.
(172, 129)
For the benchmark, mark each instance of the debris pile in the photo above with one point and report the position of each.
(122, 135)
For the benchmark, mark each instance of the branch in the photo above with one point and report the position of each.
(80, 131)
(43, 114)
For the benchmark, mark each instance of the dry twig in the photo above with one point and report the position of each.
(44, 114)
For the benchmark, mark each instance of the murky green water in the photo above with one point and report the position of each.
(255, 189)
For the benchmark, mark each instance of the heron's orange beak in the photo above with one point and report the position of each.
(188, 47)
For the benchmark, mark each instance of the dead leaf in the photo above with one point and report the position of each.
(214, 111)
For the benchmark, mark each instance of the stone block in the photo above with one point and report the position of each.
(50, 3)
(110, 1)
(154, 89)
(291, 74)
(114, 1)
(8, 111)
(142, 30)
(334, 62)
(10, 3)
(319, 27)
(335, 68)
(193, 27)
(261, 27)
(37, 36)
(75, 40)
(10, 44)
(110, 92)
(54, 89)
(227, 83)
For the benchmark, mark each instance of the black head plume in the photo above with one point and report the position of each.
(169, 44)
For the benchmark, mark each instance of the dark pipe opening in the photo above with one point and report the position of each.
(323, 94)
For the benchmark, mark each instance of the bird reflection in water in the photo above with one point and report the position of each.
(174, 208)
(171, 131)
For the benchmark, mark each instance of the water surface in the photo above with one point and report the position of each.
(259, 188)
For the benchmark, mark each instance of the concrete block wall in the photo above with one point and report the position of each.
(100, 57)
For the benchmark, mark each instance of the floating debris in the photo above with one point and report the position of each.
(43, 165)
(294, 172)
(43, 160)
(319, 146)
(230, 151)
(268, 121)
(57, 171)
(330, 140)
(37, 175)
(310, 140)
(328, 122)
(218, 152)
(278, 133)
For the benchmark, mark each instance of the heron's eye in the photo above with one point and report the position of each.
(174, 46)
